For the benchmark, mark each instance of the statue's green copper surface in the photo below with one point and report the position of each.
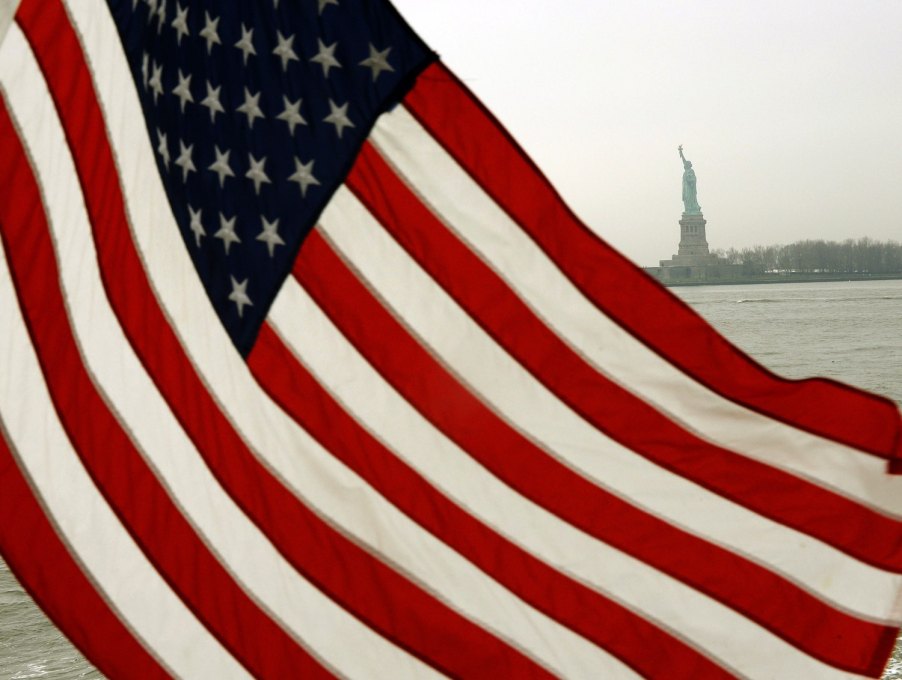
(690, 191)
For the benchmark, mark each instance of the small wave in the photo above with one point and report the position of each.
(862, 298)
(781, 299)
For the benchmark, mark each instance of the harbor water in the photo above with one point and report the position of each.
(850, 331)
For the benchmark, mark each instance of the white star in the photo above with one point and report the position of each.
(196, 226)
(210, 31)
(324, 3)
(246, 44)
(221, 165)
(326, 57)
(161, 16)
(183, 90)
(338, 117)
(145, 66)
(291, 114)
(211, 101)
(239, 295)
(303, 175)
(284, 49)
(377, 61)
(151, 9)
(251, 107)
(256, 173)
(180, 23)
(156, 81)
(184, 160)
(226, 232)
(163, 148)
(270, 235)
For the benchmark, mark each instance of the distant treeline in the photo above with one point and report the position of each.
(862, 256)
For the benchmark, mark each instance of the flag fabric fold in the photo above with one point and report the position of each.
(308, 371)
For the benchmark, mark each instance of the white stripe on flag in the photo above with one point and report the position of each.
(7, 12)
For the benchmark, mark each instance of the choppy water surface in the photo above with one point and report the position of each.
(848, 331)
(30, 647)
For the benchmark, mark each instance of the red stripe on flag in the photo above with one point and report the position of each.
(383, 599)
(635, 641)
(109, 456)
(781, 496)
(45, 567)
(761, 595)
(472, 136)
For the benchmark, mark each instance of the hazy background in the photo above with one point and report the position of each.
(790, 111)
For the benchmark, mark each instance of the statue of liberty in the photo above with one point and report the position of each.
(690, 194)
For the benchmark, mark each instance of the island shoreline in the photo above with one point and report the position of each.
(779, 278)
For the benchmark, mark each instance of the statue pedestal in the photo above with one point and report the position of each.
(693, 243)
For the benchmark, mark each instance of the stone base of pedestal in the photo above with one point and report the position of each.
(695, 269)
(684, 260)
(693, 242)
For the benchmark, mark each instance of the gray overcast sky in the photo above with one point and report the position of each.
(791, 111)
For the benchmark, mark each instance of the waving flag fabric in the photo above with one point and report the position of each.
(306, 370)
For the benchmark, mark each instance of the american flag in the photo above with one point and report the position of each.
(306, 370)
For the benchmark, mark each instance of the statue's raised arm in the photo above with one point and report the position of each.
(690, 192)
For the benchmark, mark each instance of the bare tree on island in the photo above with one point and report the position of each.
(861, 256)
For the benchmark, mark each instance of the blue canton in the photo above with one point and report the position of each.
(256, 111)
